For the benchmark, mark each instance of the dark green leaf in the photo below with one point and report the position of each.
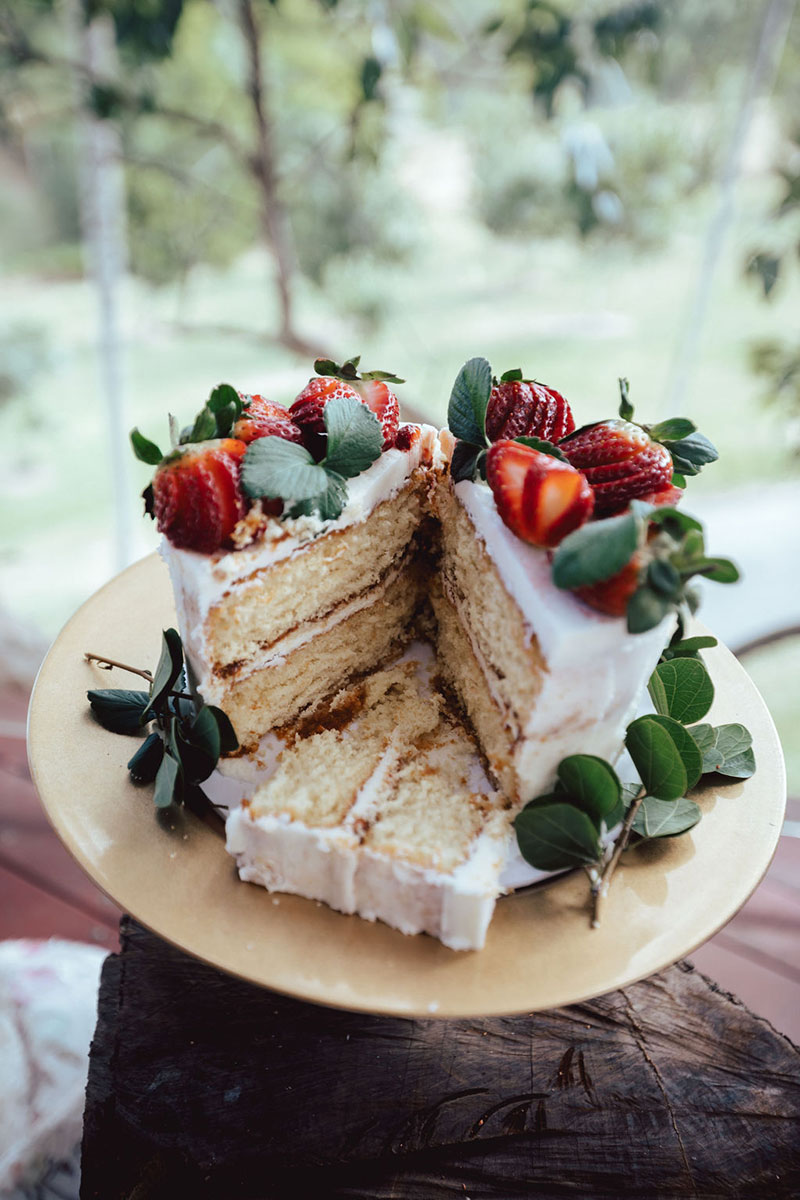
(119, 709)
(726, 749)
(675, 521)
(147, 759)
(224, 396)
(512, 376)
(552, 837)
(386, 376)
(665, 818)
(665, 755)
(678, 480)
(464, 463)
(145, 450)
(466, 412)
(719, 570)
(228, 740)
(543, 446)
(170, 665)
(326, 366)
(328, 504)
(355, 436)
(167, 780)
(681, 689)
(596, 551)
(370, 74)
(646, 609)
(663, 578)
(625, 406)
(688, 647)
(591, 783)
(278, 469)
(205, 427)
(691, 454)
(672, 430)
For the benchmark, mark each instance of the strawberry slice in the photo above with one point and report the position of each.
(382, 401)
(620, 461)
(522, 406)
(306, 412)
(197, 500)
(540, 498)
(265, 418)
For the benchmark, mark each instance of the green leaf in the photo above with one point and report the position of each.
(681, 689)
(328, 504)
(205, 427)
(385, 376)
(591, 783)
(625, 406)
(675, 521)
(355, 436)
(663, 578)
(119, 709)
(554, 836)
(512, 376)
(147, 759)
(465, 461)
(278, 469)
(678, 480)
(170, 665)
(227, 735)
(646, 609)
(466, 412)
(167, 780)
(596, 551)
(543, 446)
(691, 454)
(145, 450)
(719, 570)
(688, 647)
(198, 747)
(665, 818)
(224, 396)
(665, 755)
(672, 430)
(726, 749)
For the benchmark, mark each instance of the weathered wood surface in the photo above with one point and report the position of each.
(204, 1086)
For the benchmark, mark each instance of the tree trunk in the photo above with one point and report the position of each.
(274, 219)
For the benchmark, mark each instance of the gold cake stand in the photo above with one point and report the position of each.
(540, 953)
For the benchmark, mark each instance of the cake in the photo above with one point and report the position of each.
(373, 605)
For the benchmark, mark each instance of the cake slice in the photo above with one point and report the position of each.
(382, 809)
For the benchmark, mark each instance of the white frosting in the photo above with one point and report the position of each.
(596, 670)
(200, 581)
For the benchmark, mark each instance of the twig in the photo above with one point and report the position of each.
(107, 663)
(600, 886)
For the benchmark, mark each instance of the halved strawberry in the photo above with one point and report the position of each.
(197, 500)
(620, 461)
(611, 596)
(540, 498)
(307, 410)
(265, 418)
(522, 406)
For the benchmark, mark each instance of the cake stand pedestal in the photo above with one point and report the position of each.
(202, 1085)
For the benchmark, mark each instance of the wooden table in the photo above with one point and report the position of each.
(204, 1086)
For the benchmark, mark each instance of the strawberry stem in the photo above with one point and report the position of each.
(600, 884)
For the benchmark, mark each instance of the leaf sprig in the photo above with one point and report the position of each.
(569, 827)
(183, 739)
(690, 450)
(215, 420)
(276, 469)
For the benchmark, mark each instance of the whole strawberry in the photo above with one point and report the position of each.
(520, 406)
(197, 500)
(540, 498)
(620, 461)
(370, 387)
(265, 418)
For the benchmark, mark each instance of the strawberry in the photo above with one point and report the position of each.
(611, 596)
(264, 418)
(197, 500)
(306, 412)
(522, 406)
(407, 437)
(382, 401)
(540, 498)
(621, 462)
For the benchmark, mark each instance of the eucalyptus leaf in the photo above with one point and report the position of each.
(681, 688)
(591, 783)
(170, 666)
(166, 782)
(596, 551)
(355, 436)
(726, 749)
(466, 412)
(119, 709)
(277, 469)
(665, 755)
(665, 818)
(552, 837)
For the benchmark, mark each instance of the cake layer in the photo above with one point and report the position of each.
(335, 649)
(387, 814)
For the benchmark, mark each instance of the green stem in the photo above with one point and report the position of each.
(601, 885)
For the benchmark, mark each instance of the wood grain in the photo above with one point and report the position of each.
(207, 1086)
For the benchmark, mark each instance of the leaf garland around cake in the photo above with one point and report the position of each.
(183, 738)
(671, 753)
(276, 469)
